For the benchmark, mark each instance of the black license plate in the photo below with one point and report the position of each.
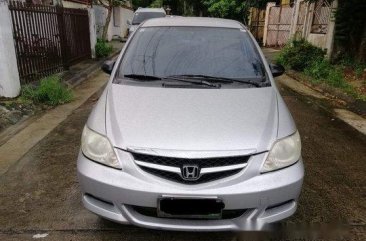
(190, 208)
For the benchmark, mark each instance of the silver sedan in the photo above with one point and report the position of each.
(191, 132)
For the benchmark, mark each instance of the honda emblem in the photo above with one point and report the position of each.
(190, 172)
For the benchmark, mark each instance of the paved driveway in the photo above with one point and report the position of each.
(40, 194)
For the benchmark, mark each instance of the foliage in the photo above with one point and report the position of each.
(102, 48)
(350, 34)
(299, 54)
(352, 63)
(321, 70)
(141, 3)
(233, 9)
(50, 91)
(156, 4)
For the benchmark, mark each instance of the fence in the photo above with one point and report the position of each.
(48, 38)
(303, 19)
(279, 25)
(256, 23)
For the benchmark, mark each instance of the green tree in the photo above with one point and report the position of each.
(350, 34)
(141, 3)
(233, 9)
(157, 4)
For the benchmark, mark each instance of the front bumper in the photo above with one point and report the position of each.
(267, 198)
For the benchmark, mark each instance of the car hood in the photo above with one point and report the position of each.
(154, 118)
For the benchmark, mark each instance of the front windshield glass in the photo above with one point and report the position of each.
(168, 51)
(139, 17)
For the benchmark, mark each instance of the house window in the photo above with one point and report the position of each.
(116, 17)
(321, 17)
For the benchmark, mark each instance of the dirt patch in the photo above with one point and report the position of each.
(15, 110)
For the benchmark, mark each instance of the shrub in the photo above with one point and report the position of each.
(299, 54)
(102, 48)
(318, 69)
(50, 91)
(323, 71)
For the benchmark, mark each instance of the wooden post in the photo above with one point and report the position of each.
(295, 18)
(331, 29)
(266, 21)
(62, 35)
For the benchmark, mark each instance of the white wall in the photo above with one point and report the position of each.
(68, 4)
(9, 75)
(319, 40)
(120, 28)
(115, 30)
(92, 31)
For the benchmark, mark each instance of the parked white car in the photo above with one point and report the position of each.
(143, 14)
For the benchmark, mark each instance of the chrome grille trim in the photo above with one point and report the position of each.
(203, 170)
(159, 167)
(222, 168)
(176, 168)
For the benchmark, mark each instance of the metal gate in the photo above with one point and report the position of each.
(279, 25)
(48, 39)
(256, 23)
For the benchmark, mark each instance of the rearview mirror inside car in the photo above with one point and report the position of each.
(107, 66)
(277, 69)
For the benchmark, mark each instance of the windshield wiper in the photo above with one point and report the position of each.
(221, 79)
(193, 81)
(141, 77)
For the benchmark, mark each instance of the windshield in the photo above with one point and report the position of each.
(139, 17)
(207, 51)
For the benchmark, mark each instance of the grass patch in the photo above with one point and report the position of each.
(102, 48)
(50, 92)
(301, 56)
(321, 70)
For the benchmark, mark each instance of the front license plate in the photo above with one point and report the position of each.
(190, 208)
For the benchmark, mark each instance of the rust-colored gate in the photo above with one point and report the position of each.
(279, 25)
(256, 23)
(48, 38)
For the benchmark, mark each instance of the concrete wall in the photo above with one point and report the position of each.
(68, 4)
(9, 75)
(92, 31)
(322, 40)
(119, 28)
(116, 29)
(319, 40)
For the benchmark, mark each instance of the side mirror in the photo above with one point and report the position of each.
(128, 22)
(277, 69)
(107, 66)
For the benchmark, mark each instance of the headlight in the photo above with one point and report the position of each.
(284, 152)
(98, 148)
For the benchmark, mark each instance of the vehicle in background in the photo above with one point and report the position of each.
(143, 14)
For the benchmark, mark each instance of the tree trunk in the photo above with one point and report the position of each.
(362, 47)
(107, 21)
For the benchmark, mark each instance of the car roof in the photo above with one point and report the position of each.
(159, 10)
(192, 22)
